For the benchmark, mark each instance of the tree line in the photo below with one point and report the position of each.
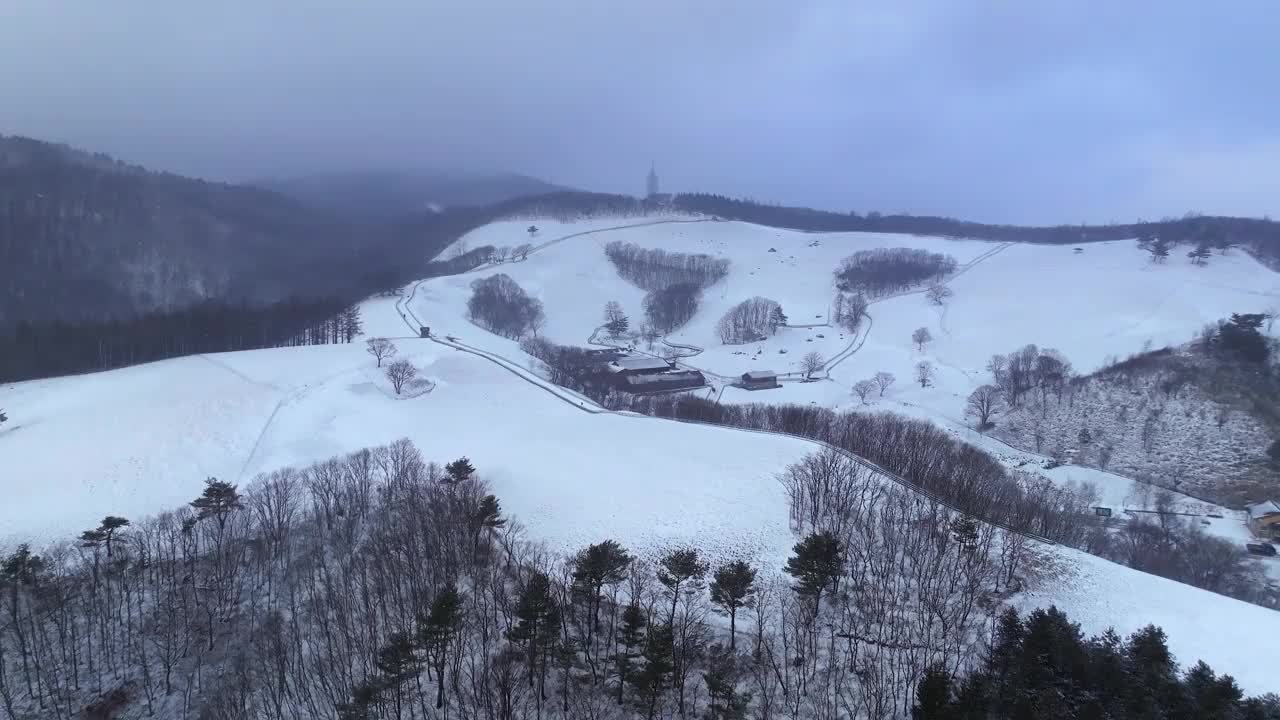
(885, 270)
(1261, 237)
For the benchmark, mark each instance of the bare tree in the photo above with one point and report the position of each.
(380, 348)
(921, 337)
(924, 373)
(500, 254)
(613, 311)
(883, 380)
(521, 251)
(812, 363)
(938, 294)
(863, 388)
(650, 334)
(401, 372)
(982, 404)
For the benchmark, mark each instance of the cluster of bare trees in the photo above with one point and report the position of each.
(379, 585)
(1028, 369)
(914, 587)
(500, 305)
(880, 381)
(750, 320)
(653, 269)
(885, 270)
(848, 310)
(919, 452)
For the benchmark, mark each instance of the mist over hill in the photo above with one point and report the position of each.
(387, 195)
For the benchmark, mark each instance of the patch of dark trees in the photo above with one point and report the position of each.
(501, 306)
(885, 270)
(924, 455)
(1043, 666)
(673, 280)
(1261, 237)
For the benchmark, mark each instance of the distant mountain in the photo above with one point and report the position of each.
(375, 196)
(88, 238)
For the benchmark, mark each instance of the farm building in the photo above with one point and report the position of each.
(639, 365)
(641, 383)
(759, 380)
(1264, 519)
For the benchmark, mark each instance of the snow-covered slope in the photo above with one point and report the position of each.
(142, 440)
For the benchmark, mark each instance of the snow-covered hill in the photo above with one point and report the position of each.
(143, 439)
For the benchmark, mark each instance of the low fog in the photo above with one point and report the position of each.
(1023, 112)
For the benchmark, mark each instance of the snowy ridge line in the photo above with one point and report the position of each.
(561, 239)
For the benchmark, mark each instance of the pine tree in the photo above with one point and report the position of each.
(933, 696)
(651, 681)
(1159, 249)
(595, 567)
(460, 470)
(816, 564)
(397, 663)
(619, 327)
(111, 525)
(438, 629)
(486, 516)
(1210, 697)
(537, 625)
(1200, 256)
(732, 588)
(724, 702)
(681, 572)
(218, 500)
(777, 318)
(632, 638)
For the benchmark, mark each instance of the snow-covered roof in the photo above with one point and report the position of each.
(760, 375)
(679, 376)
(635, 362)
(1263, 509)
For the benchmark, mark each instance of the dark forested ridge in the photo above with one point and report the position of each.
(1259, 236)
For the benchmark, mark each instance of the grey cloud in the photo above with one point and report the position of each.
(1029, 112)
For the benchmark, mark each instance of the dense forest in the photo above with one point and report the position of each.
(380, 585)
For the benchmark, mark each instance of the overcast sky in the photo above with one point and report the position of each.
(1018, 111)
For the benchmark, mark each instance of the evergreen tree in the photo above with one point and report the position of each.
(438, 629)
(724, 702)
(816, 564)
(460, 470)
(487, 515)
(3, 418)
(1200, 255)
(111, 525)
(632, 639)
(933, 696)
(1210, 697)
(777, 318)
(218, 500)
(594, 568)
(1153, 679)
(733, 587)
(537, 626)
(1159, 250)
(397, 663)
(681, 571)
(617, 328)
(651, 681)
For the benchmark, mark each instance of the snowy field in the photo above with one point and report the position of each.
(143, 439)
